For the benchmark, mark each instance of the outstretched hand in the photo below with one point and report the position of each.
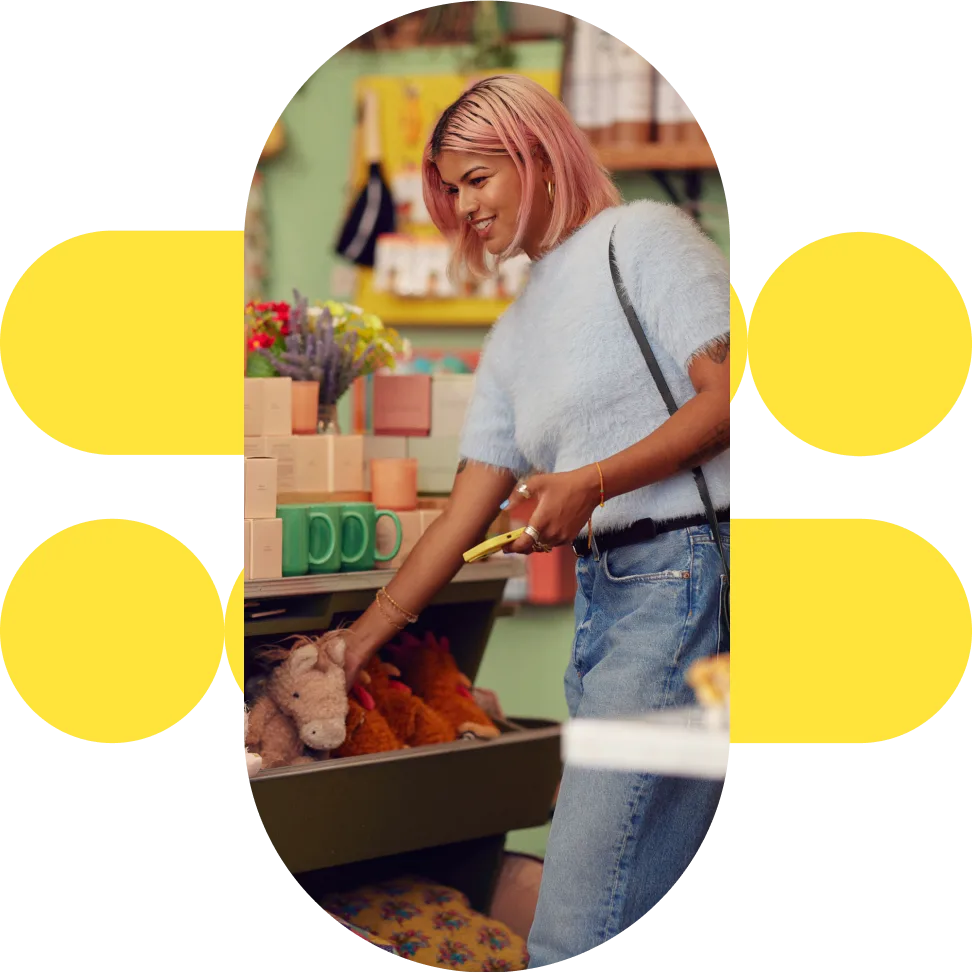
(565, 502)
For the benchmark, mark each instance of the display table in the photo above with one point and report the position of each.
(689, 742)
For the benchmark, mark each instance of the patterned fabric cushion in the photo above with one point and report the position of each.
(362, 934)
(429, 924)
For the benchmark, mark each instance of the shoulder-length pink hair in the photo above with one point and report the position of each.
(512, 115)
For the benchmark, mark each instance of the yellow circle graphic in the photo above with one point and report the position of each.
(737, 341)
(234, 630)
(93, 397)
(869, 642)
(859, 344)
(111, 631)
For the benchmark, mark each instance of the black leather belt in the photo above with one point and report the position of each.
(640, 531)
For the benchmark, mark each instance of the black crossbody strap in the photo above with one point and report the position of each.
(666, 393)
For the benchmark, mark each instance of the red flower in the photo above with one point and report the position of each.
(285, 330)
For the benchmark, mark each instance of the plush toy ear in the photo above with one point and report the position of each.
(335, 649)
(303, 659)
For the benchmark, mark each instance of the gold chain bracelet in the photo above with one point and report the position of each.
(408, 615)
(388, 617)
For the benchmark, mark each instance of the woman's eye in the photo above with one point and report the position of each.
(451, 191)
(478, 181)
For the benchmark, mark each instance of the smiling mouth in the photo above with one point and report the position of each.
(480, 226)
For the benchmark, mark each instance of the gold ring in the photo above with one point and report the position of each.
(524, 491)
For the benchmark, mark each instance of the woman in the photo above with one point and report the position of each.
(562, 388)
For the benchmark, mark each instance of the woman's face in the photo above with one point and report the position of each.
(487, 190)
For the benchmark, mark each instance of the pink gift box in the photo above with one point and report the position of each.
(402, 405)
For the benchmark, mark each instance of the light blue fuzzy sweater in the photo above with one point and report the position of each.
(562, 382)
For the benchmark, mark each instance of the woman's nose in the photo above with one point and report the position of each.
(467, 205)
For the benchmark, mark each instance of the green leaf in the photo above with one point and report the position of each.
(258, 367)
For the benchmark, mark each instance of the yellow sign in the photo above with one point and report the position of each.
(409, 108)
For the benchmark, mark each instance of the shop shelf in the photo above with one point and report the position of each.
(656, 155)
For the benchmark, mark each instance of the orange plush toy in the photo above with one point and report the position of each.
(411, 720)
(367, 730)
(431, 671)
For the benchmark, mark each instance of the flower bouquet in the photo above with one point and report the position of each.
(330, 344)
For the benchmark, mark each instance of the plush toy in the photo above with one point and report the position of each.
(411, 720)
(272, 735)
(431, 671)
(367, 730)
(253, 760)
(306, 704)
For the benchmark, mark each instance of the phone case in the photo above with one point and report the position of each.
(491, 546)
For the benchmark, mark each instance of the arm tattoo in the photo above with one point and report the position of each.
(718, 351)
(463, 463)
(715, 442)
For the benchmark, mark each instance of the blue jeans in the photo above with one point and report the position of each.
(619, 841)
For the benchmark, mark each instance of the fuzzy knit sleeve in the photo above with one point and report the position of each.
(677, 278)
(489, 432)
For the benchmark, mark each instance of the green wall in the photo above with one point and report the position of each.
(306, 191)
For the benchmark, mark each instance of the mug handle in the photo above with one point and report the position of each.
(398, 542)
(330, 551)
(358, 555)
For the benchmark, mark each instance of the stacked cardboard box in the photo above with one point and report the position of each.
(262, 531)
(415, 416)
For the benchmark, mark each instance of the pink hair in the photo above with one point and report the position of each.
(512, 115)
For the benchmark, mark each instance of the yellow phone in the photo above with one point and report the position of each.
(491, 546)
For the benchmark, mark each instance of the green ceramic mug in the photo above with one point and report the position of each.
(358, 536)
(324, 538)
(295, 553)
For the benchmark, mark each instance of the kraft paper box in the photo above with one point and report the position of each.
(254, 446)
(402, 405)
(451, 395)
(267, 407)
(247, 535)
(266, 549)
(382, 447)
(318, 464)
(385, 537)
(259, 488)
(346, 463)
(438, 458)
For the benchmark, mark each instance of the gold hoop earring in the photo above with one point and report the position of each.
(550, 191)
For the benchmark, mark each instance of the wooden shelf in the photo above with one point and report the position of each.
(656, 155)
(494, 569)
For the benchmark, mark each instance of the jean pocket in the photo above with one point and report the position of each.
(666, 559)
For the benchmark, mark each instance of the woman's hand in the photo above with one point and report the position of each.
(565, 502)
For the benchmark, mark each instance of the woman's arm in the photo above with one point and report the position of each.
(697, 433)
(473, 506)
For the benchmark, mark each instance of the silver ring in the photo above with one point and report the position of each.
(524, 491)
(533, 532)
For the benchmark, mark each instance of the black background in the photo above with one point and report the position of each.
(154, 846)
